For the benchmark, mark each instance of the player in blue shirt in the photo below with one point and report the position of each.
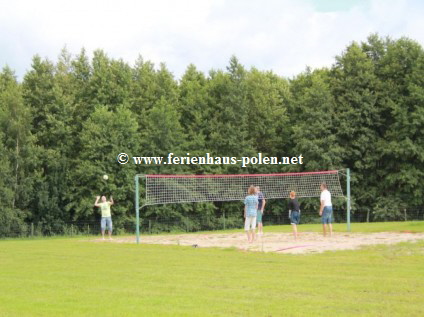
(250, 213)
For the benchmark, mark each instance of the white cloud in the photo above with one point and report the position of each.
(284, 36)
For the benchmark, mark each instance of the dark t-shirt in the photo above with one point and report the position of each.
(260, 200)
(294, 205)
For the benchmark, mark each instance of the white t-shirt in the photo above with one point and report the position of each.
(105, 208)
(326, 197)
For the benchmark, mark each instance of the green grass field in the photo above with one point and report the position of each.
(73, 277)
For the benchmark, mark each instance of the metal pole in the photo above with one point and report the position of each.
(348, 198)
(137, 210)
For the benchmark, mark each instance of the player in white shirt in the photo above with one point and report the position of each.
(326, 209)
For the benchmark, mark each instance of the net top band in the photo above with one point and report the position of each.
(236, 175)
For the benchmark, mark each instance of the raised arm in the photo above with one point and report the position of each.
(111, 200)
(97, 201)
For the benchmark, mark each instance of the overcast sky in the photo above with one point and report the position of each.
(280, 35)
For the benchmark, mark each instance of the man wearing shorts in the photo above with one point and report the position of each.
(326, 209)
(261, 206)
(106, 215)
(250, 212)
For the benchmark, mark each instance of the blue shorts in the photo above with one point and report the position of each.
(259, 216)
(327, 214)
(106, 222)
(295, 218)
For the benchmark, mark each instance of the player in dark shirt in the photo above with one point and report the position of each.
(261, 206)
(294, 213)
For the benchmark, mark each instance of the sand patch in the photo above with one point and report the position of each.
(308, 242)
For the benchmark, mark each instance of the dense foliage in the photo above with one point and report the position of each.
(62, 127)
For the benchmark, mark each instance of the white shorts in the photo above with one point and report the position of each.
(250, 223)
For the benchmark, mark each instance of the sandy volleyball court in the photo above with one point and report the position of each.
(308, 242)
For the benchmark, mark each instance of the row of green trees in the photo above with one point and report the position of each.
(62, 127)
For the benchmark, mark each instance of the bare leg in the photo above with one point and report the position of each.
(324, 229)
(110, 234)
(260, 228)
(103, 234)
(248, 235)
(294, 231)
(331, 229)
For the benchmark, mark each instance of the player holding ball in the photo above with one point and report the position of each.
(106, 215)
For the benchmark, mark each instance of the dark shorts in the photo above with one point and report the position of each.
(259, 216)
(295, 217)
(327, 215)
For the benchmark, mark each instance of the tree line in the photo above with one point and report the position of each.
(63, 124)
